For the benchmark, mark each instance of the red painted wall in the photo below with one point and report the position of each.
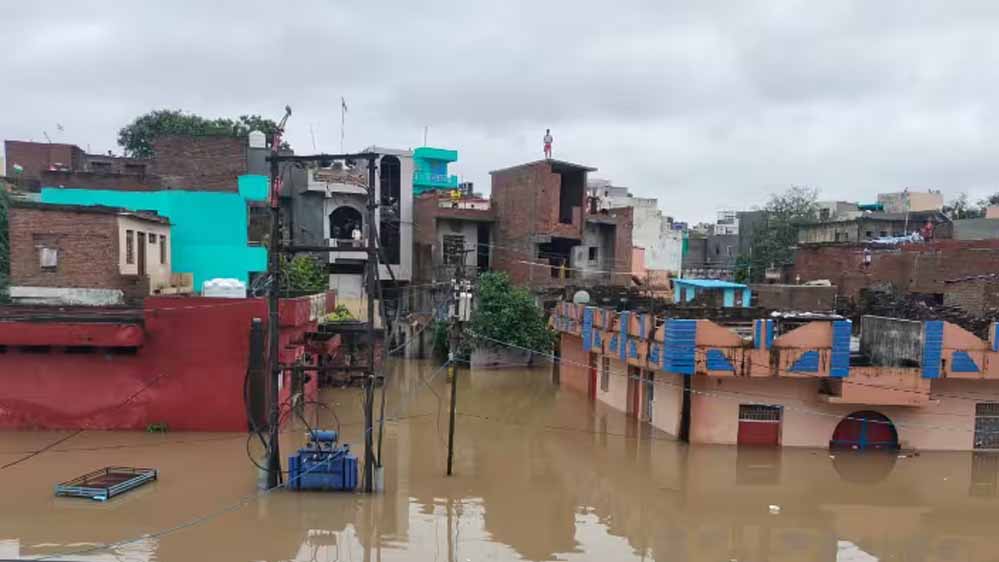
(192, 362)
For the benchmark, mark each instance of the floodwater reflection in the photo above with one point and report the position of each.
(541, 473)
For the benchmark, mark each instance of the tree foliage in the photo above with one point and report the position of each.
(989, 201)
(774, 238)
(304, 274)
(136, 138)
(508, 313)
(960, 208)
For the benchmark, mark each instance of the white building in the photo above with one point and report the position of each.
(345, 224)
(726, 223)
(651, 230)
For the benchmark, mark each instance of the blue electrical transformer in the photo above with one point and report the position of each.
(322, 465)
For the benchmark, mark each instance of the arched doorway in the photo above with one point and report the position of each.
(343, 221)
(865, 430)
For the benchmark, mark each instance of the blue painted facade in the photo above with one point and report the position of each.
(807, 362)
(679, 343)
(717, 361)
(839, 360)
(587, 331)
(932, 348)
(686, 290)
(961, 362)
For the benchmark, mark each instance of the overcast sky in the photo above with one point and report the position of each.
(705, 105)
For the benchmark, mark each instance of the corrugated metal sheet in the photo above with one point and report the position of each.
(587, 329)
(932, 348)
(680, 339)
(655, 353)
(839, 362)
(625, 321)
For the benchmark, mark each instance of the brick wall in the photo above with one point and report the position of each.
(919, 268)
(522, 202)
(204, 163)
(623, 244)
(99, 180)
(966, 295)
(36, 157)
(87, 245)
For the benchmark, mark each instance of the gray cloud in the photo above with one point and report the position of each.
(703, 104)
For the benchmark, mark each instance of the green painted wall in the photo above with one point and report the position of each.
(209, 229)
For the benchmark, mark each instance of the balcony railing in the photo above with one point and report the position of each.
(435, 180)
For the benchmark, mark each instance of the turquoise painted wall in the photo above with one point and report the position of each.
(729, 298)
(209, 229)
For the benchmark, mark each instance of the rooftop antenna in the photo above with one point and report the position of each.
(47, 137)
(426, 129)
(313, 133)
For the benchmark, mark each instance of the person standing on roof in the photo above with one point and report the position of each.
(548, 144)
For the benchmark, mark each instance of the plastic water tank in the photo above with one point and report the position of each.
(258, 139)
(224, 288)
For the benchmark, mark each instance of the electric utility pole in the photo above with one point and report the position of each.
(274, 269)
(459, 312)
(372, 289)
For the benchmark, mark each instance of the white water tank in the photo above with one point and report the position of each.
(258, 139)
(224, 288)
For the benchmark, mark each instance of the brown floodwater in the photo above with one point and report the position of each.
(540, 474)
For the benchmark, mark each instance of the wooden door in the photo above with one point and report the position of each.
(141, 247)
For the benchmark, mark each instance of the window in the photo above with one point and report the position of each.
(454, 246)
(129, 246)
(139, 169)
(48, 258)
(728, 251)
(605, 374)
(869, 234)
(884, 233)
(824, 214)
(152, 238)
(987, 425)
(100, 167)
(163, 249)
(758, 412)
(593, 253)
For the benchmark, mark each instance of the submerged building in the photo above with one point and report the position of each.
(793, 382)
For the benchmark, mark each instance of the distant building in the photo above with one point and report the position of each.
(711, 293)
(327, 206)
(546, 236)
(710, 256)
(197, 163)
(86, 255)
(871, 226)
(663, 248)
(726, 223)
(911, 201)
(976, 229)
(430, 169)
(837, 210)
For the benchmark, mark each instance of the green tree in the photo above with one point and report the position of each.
(961, 208)
(989, 201)
(137, 137)
(507, 313)
(773, 240)
(304, 274)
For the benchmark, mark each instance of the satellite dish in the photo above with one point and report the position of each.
(581, 297)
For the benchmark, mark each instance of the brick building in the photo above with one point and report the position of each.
(545, 234)
(871, 226)
(203, 163)
(977, 295)
(70, 254)
(916, 268)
